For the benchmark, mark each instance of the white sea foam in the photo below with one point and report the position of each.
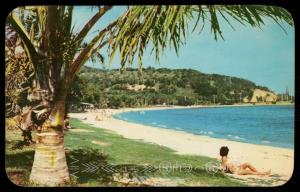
(163, 125)
(210, 132)
(265, 141)
(237, 137)
(153, 123)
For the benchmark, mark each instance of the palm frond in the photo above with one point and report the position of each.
(91, 23)
(20, 29)
(161, 25)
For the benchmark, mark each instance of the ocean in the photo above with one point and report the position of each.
(264, 125)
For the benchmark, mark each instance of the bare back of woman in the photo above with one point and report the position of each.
(236, 168)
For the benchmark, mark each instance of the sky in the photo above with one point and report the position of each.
(265, 56)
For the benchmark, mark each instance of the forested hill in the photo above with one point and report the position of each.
(157, 86)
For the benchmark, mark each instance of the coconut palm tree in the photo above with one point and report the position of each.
(57, 53)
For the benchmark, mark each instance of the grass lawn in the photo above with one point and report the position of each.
(98, 157)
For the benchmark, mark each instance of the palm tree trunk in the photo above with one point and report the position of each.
(50, 166)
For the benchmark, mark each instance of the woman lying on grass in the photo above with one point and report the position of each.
(240, 169)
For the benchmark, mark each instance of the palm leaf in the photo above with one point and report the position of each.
(161, 25)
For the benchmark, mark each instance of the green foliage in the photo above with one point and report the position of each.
(161, 86)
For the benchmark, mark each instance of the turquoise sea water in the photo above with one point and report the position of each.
(266, 125)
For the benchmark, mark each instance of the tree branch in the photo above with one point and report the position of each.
(93, 51)
(68, 18)
(19, 28)
(79, 61)
(91, 23)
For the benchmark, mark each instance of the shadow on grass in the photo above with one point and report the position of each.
(86, 167)
(18, 166)
(92, 166)
(20, 145)
(20, 160)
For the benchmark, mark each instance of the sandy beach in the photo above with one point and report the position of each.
(279, 160)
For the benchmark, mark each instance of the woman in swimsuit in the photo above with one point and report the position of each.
(240, 169)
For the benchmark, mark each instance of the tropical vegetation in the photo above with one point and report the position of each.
(109, 88)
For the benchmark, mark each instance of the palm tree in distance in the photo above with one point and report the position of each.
(57, 53)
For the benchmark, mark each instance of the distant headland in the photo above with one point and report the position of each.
(167, 87)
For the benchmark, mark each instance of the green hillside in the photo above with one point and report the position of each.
(156, 87)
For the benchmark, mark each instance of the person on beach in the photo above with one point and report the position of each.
(236, 168)
(98, 118)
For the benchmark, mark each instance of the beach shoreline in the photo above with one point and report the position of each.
(279, 160)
